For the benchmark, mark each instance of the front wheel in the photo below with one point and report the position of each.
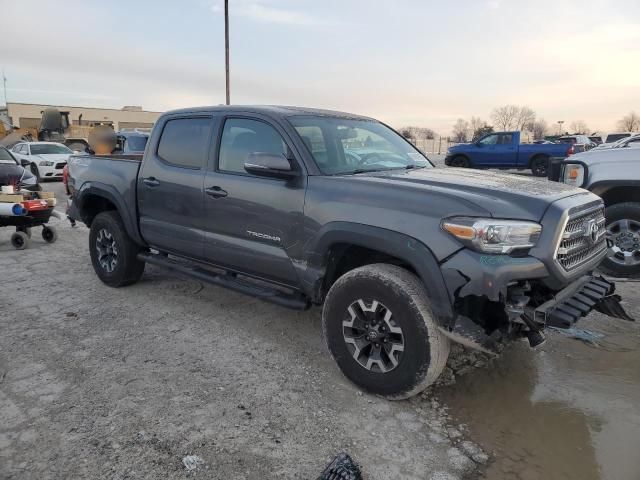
(623, 235)
(539, 166)
(49, 234)
(380, 330)
(113, 253)
(20, 240)
(460, 162)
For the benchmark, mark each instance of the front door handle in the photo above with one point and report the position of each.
(215, 192)
(150, 182)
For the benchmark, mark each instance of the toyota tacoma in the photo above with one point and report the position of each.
(305, 207)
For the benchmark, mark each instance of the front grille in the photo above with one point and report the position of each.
(583, 238)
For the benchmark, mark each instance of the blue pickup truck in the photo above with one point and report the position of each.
(504, 150)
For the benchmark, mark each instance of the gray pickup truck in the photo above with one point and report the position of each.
(306, 207)
(614, 175)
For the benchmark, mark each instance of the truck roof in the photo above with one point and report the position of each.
(272, 110)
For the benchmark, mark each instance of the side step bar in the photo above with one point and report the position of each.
(295, 301)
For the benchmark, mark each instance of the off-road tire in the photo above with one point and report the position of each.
(613, 213)
(128, 269)
(426, 349)
(540, 166)
(20, 240)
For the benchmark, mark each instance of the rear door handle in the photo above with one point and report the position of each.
(215, 192)
(151, 182)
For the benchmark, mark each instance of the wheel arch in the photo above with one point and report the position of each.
(95, 198)
(617, 191)
(343, 246)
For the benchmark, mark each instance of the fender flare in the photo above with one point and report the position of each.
(109, 193)
(406, 248)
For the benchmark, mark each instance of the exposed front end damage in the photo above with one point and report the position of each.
(498, 296)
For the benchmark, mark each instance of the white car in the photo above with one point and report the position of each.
(46, 159)
(632, 141)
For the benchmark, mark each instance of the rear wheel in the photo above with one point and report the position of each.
(539, 166)
(113, 253)
(623, 234)
(460, 162)
(381, 332)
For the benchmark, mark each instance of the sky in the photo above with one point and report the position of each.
(406, 62)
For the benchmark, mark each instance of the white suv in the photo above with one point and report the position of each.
(46, 159)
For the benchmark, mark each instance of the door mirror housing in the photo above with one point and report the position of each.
(264, 164)
(24, 163)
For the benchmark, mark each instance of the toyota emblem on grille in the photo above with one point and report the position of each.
(591, 231)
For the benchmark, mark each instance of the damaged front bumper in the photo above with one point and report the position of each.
(578, 300)
(497, 295)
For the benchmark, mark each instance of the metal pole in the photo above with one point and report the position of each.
(4, 83)
(226, 49)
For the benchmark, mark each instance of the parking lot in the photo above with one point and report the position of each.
(124, 383)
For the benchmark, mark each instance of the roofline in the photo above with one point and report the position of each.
(85, 108)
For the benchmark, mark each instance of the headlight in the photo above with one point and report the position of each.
(489, 235)
(46, 163)
(573, 174)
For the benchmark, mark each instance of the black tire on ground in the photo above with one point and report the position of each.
(113, 253)
(540, 166)
(460, 161)
(396, 298)
(36, 172)
(49, 234)
(20, 240)
(616, 216)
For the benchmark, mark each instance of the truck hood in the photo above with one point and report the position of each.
(498, 195)
(611, 156)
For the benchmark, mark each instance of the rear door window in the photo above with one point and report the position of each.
(184, 142)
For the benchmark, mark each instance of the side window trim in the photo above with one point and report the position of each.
(218, 144)
(208, 143)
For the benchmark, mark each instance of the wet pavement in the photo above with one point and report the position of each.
(569, 411)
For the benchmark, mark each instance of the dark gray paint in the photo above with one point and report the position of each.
(397, 212)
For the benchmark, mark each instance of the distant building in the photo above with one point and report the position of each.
(27, 115)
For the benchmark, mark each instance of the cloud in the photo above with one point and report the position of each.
(494, 4)
(267, 14)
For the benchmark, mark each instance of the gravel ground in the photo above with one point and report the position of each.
(125, 383)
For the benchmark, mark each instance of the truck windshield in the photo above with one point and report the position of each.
(347, 146)
(47, 149)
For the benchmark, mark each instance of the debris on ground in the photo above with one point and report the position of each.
(191, 462)
(342, 467)
(586, 336)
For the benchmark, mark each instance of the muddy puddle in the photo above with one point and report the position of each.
(570, 411)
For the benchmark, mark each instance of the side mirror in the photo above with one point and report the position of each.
(24, 163)
(264, 164)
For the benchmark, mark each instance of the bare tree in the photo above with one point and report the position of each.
(579, 126)
(524, 116)
(417, 133)
(504, 118)
(630, 123)
(461, 131)
(539, 128)
(512, 117)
